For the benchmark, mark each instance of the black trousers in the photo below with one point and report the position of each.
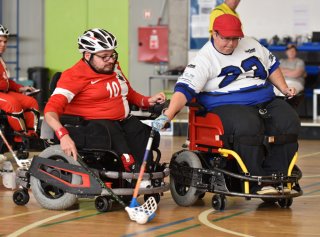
(245, 121)
(129, 136)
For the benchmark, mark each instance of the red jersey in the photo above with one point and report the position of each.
(6, 84)
(81, 91)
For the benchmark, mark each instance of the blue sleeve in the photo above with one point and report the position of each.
(184, 89)
(274, 67)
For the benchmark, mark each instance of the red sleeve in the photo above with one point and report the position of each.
(3, 84)
(137, 99)
(56, 104)
(13, 86)
(71, 82)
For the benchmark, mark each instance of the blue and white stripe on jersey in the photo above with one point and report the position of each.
(240, 78)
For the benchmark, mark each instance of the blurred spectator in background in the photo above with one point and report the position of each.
(228, 7)
(293, 69)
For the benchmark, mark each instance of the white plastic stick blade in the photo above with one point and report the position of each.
(144, 213)
(25, 164)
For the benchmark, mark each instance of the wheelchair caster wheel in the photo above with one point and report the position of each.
(103, 204)
(21, 197)
(219, 202)
(22, 155)
(285, 202)
(155, 195)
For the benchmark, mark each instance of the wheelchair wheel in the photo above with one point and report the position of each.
(285, 202)
(184, 194)
(49, 196)
(103, 203)
(219, 202)
(21, 197)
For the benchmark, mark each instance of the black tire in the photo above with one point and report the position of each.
(155, 195)
(285, 202)
(219, 202)
(22, 155)
(103, 203)
(49, 196)
(184, 195)
(21, 197)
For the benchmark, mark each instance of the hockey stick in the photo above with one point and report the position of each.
(139, 213)
(146, 212)
(102, 184)
(21, 163)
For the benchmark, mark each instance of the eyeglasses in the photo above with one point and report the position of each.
(227, 39)
(106, 58)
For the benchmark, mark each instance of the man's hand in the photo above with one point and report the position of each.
(68, 146)
(289, 92)
(25, 89)
(157, 98)
(160, 122)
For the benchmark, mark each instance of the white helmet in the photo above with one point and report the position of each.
(95, 40)
(3, 31)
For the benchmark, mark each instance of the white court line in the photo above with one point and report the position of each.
(311, 176)
(38, 223)
(203, 218)
(309, 196)
(308, 155)
(22, 214)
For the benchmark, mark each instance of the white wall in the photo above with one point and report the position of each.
(264, 19)
(31, 27)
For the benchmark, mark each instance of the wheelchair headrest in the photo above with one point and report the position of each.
(54, 80)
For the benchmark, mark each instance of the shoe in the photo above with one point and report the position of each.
(268, 190)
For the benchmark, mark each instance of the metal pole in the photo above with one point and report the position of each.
(17, 42)
(162, 11)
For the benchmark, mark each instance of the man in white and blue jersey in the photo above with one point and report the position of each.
(233, 77)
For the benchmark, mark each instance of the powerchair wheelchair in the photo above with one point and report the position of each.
(57, 181)
(207, 167)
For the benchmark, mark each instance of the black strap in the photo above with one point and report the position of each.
(257, 140)
(251, 140)
(282, 139)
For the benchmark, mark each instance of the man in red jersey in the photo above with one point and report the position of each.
(22, 111)
(96, 89)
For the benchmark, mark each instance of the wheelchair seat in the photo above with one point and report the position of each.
(205, 130)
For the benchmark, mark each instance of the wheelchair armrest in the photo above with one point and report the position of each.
(201, 110)
(150, 113)
(158, 108)
(71, 119)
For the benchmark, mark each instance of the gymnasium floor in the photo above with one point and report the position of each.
(240, 218)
